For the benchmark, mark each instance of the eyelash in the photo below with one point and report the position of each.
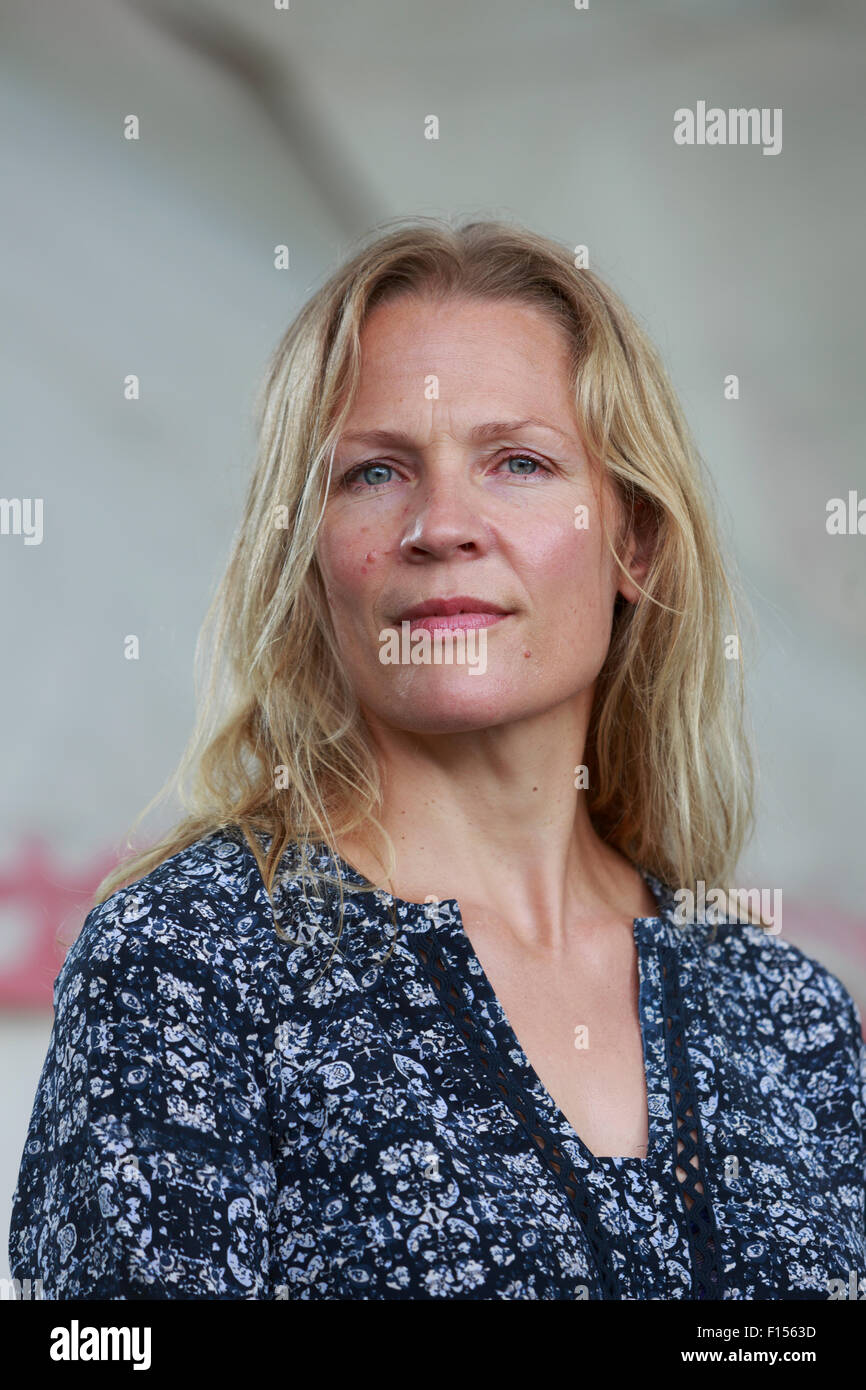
(359, 468)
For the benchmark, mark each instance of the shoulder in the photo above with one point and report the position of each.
(754, 953)
(201, 916)
(769, 985)
(202, 927)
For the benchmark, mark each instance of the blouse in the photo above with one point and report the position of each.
(227, 1114)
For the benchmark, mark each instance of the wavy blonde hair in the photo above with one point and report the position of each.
(671, 776)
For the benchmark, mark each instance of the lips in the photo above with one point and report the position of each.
(462, 611)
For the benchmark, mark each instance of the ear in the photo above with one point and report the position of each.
(638, 550)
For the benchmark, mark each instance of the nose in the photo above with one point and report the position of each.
(446, 519)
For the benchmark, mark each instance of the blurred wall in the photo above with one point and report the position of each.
(306, 127)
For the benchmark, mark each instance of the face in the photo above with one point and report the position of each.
(446, 512)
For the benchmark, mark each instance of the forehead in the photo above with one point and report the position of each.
(506, 351)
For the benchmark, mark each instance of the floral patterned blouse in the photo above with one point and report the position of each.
(225, 1114)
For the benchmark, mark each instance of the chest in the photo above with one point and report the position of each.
(578, 1023)
(402, 1174)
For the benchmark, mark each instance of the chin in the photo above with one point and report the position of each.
(455, 705)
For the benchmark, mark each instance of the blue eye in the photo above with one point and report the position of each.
(521, 458)
(373, 473)
(377, 468)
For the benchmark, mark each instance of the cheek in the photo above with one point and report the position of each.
(353, 563)
(347, 558)
(568, 565)
(356, 547)
(572, 591)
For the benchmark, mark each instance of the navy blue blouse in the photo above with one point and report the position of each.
(223, 1114)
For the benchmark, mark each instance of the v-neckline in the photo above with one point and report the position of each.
(496, 1023)
(442, 922)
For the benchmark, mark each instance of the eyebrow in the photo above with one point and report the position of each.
(478, 434)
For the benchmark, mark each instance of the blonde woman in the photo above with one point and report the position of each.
(404, 1008)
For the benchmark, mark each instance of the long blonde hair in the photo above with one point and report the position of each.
(671, 777)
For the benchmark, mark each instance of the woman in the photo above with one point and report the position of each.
(404, 1008)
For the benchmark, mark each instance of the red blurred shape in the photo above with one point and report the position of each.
(54, 903)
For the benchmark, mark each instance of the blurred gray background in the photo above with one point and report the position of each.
(306, 127)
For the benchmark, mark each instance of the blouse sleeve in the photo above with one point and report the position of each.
(860, 1083)
(147, 1170)
(849, 1093)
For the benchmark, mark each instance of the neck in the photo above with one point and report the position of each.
(493, 819)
